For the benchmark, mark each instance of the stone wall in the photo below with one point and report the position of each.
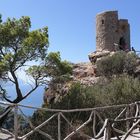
(124, 31)
(109, 30)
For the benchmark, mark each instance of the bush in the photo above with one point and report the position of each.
(118, 90)
(119, 63)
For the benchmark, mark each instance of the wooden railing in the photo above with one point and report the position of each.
(128, 114)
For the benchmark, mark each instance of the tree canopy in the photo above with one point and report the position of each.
(57, 69)
(18, 46)
(24, 49)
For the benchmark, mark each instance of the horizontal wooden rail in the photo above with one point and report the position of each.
(107, 124)
(72, 110)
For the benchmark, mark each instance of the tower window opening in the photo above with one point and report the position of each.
(103, 21)
(122, 44)
(122, 41)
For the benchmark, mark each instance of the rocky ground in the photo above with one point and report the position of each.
(84, 73)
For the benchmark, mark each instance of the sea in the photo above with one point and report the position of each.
(35, 99)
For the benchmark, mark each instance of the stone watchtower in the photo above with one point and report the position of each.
(112, 32)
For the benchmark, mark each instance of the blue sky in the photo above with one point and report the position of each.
(71, 23)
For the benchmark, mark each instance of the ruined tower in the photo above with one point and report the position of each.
(111, 31)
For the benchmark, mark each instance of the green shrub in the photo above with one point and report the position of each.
(118, 90)
(120, 62)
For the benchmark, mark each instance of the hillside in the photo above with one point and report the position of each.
(87, 73)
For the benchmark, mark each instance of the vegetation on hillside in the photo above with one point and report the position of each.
(117, 64)
(118, 84)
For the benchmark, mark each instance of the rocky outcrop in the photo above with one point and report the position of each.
(97, 55)
(84, 73)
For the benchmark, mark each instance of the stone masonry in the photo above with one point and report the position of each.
(112, 34)
(111, 31)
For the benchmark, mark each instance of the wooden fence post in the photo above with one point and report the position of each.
(59, 126)
(127, 116)
(16, 121)
(94, 124)
(107, 131)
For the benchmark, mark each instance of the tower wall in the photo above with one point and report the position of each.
(124, 31)
(109, 30)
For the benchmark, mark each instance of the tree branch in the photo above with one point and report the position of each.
(18, 91)
(8, 100)
(36, 86)
(10, 80)
(2, 52)
(4, 95)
